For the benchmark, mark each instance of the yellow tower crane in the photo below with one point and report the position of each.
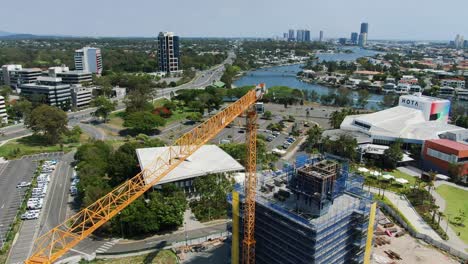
(56, 242)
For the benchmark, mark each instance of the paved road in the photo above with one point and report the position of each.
(56, 207)
(201, 79)
(160, 241)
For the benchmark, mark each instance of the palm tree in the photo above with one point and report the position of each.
(439, 214)
(434, 209)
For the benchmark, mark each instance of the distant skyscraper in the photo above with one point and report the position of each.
(342, 41)
(285, 36)
(321, 36)
(291, 35)
(459, 42)
(307, 35)
(300, 35)
(354, 38)
(363, 35)
(88, 59)
(168, 52)
(364, 28)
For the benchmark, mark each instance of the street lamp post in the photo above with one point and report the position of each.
(448, 220)
(186, 236)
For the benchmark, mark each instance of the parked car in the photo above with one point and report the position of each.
(23, 184)
(30, 215)
(73, 191)
(276, 133)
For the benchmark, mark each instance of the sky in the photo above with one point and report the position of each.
(388, 19)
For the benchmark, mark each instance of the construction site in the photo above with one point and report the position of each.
(313, 212)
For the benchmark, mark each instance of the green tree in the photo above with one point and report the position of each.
(50, 121)
(123, 163)
(5, 91)
(363, 96)
(21, 109)
(194, 116)
(314, 136)
(105, 83)
(143, 122)
(267, 115)
(393, 155)
(104, 107)
(211, 202)
(337, 117)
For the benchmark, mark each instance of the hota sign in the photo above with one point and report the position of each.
(409, 102)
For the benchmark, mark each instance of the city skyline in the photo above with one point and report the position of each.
(237, 19)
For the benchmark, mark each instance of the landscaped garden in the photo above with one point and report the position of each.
(456, 208)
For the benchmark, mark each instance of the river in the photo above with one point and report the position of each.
(286, 75)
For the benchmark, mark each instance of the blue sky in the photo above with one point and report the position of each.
(388, 19)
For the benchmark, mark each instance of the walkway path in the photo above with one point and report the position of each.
(453, 238)
(405, 207)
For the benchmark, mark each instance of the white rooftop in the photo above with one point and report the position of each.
(206, 160)
(398, 122)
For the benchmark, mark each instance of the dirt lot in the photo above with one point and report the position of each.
(411, 251)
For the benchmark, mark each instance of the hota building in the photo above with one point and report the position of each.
(416, 119)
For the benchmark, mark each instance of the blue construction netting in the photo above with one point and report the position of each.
(301, 160)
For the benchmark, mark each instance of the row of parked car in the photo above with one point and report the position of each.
(75, 180)
(288, 142)
(35, 203)
(272, 136)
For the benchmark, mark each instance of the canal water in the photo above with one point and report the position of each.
(286, 75)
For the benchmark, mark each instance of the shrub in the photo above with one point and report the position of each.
(163, 112)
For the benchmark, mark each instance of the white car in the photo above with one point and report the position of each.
(29, 215)
(23, 184)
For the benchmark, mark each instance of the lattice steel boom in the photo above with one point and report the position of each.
(52, 245)
(250, 185)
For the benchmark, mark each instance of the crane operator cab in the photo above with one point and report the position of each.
(260, 90)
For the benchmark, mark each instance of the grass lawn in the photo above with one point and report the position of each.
(161, 257)
(455, 200)
(29, 145)
(116, 119)
(394, 187)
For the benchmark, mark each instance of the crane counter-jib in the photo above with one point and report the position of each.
(56, 242)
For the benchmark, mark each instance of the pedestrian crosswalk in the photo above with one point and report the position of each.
(106, 246)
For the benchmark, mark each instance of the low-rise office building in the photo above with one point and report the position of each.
(81, 96)
(48, 90)
(76, 77)
(5, 74)
(442, 155)
(71, 77)
(16, 75)
(3, 113)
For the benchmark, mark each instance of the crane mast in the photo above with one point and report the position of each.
(250, 185)
(50, 246)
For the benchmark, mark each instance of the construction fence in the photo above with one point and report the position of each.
(436, 243)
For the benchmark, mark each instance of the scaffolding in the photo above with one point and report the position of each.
(287, 235)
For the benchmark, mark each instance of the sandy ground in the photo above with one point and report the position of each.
(411, 251)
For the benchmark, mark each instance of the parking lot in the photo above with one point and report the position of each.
(22, 247)
(11, 173)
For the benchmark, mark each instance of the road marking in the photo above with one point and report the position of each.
(3, 205)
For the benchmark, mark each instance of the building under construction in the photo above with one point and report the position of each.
(311, 212)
